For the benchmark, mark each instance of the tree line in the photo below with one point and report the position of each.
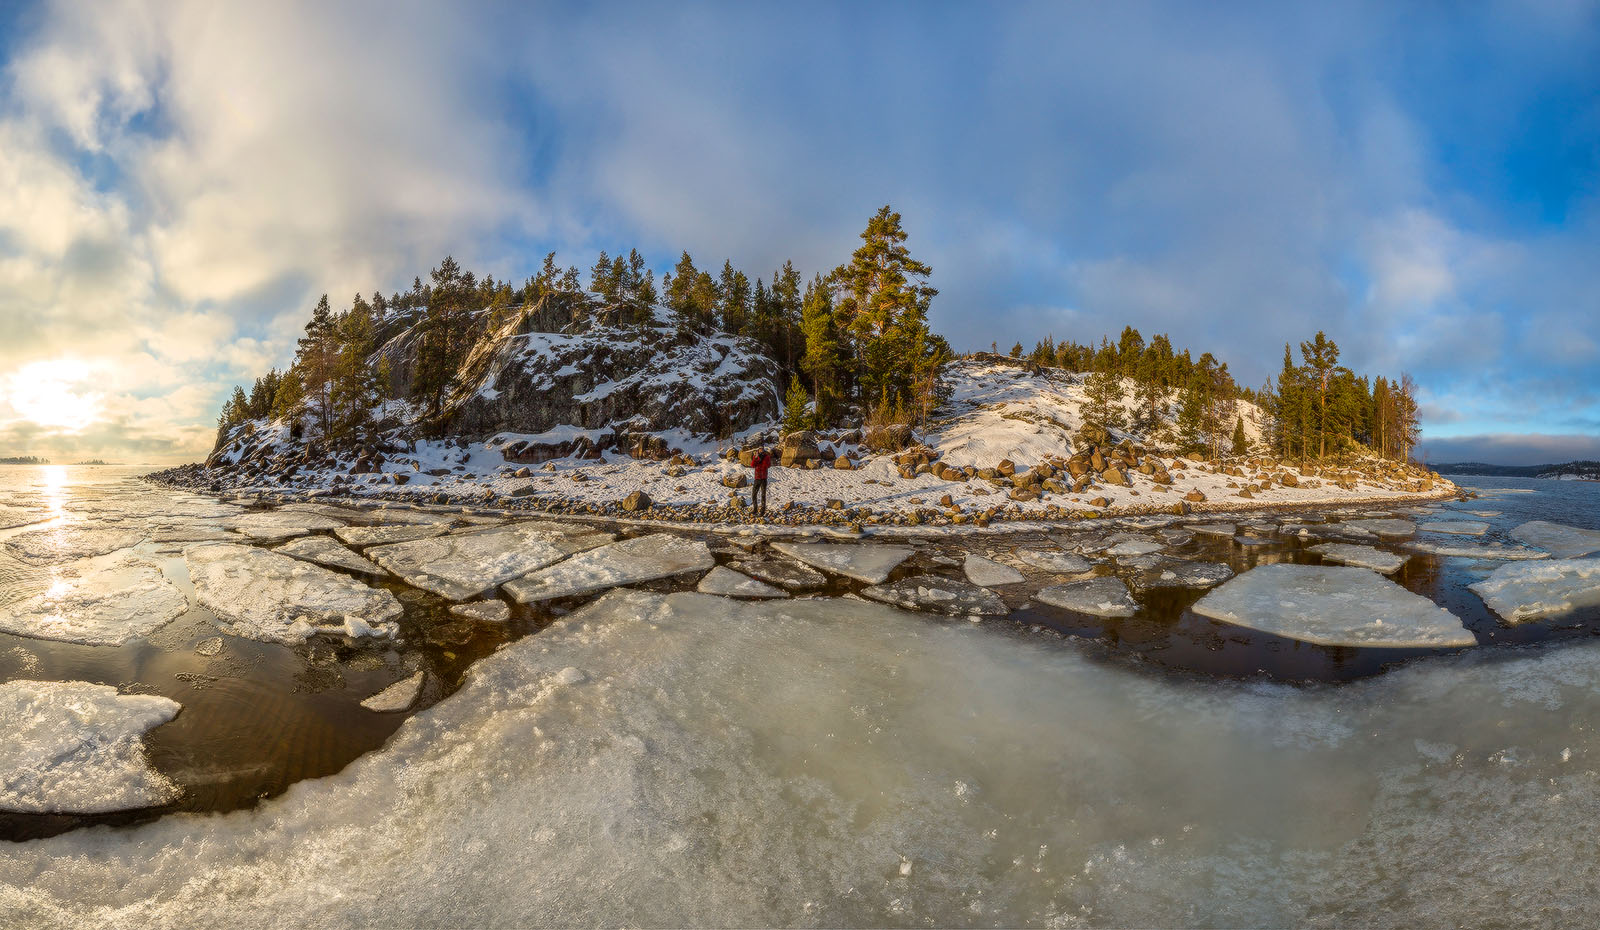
(853, 340)
(1315, 410)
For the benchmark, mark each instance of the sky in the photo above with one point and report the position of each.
(180, 181)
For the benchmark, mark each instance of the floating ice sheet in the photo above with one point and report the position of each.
(70, 541)
(933, 594)
(1211, 529)
(274, 598)
(1455, 527)
(275, 525)
(1530, 590)
(98, 604)
(1333, 606)
(1181, 574)
(869, 562)
(1099, 597)
(1362, 557)
(1561, 541)
(1381, 527)
(1134, 547)
(989, 573)
(1470, 550)
(464, 565)
(1054, 560)
(72, 747)
(382, 535)
(726, 582)
(495, 611)
(324, 551)
(786, 574)
(398, 696)
(643, 558)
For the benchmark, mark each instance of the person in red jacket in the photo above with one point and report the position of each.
(759, 463)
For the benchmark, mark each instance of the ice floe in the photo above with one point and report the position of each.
(1100, 597)
(643, 558)
(785, 574)
(398, 696)
(1383, 527)
(466, 564)
(381, 535)
(324, 551)
(265, 596)
(933, 594)
(73, 747)
(495, 611)
(1455, 527)
(1134, 547)
(1054, 560)
(1469, 550)
(1561, 541)
(726, 582)
(1362, 557)
(869, 562)
(989, 573)
(1530, 590)
(98, 604)
(70, 541)
(275, 525)
(1211, 529)
(1333, 606)
(1181, 574)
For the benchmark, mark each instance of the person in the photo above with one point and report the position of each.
(759, 463)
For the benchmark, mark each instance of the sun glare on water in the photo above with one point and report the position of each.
(54, 394)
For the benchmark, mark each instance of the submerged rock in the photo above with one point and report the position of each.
(1333, 606)
(644, 558)
(98, 605)
(939, 595)
(464, 565)
(725, 582)
(989, 573)
(72, 747)
(1561, 541)
(1530, 590)
(1100, 597)
(869, 562)
(265, 596)
(1361, 556)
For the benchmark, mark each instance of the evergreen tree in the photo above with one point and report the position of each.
(823, 361)
(787, 306)
(795, 415)
(1320, 357)
(445, 328)
(355, 387)
(1016, 350)
(883, 307)
(734, 290)
(317, 354)
(1241, 444)
(1102, 406)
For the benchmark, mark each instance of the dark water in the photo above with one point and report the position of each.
(258, 717)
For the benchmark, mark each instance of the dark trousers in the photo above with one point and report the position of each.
(758, 496)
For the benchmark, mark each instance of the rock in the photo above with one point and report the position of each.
(889, 438)
(636, 502)
(1100, 502)
(1194, 496)
(1006, 468)
(798, 448)
(735, 480)
(843, 464)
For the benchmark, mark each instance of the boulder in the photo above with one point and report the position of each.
(636, 502)
(798, 448)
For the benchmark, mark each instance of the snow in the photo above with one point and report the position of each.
(933, 594)
(726, 582)
(869, 562)
(1467, 550)
(98, 604)
(1333, 606)
(265, 596)
(464, 565)
(398, 696)
(483, 611)
(1521, 591)
(1383, 527)
(1099, 597)
(989, 573)
(643, 558)
(1455, 527)
(1361, 556)
(324, 551)
(275, 525)
(1054, 560)
(76, 747)
(64, 543)
(380, 535)
(1561, 541)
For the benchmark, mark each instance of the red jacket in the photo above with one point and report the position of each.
(761, 461)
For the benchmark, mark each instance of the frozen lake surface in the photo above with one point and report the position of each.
(664, 757)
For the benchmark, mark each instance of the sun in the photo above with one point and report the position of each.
(54, 394)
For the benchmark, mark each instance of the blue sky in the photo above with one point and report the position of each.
(1422, 181)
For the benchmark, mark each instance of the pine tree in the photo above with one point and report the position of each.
(883, 306)
(787, 305)
(823, 361)
(315, 358)
(444, 334)
(796, 416)
(1241, 444)
(1320, 357)
(355, 384)
(1102, 406)
(734, 290)
(1016, 350)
